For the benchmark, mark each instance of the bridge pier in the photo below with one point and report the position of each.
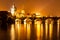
(48, 31)
(33, 32)
(22, 21)
(44, 32)
(55, 29)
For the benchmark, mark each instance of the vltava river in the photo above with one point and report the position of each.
(29, 31)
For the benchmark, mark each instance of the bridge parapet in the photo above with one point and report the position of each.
(41, 18)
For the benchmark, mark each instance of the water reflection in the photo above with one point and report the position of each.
(12, 32)
(58, 26)
(23, 31)
(17, 28)
(46, 28)
(50, 30)
(28, 31)
(27, 27)
(39, 29)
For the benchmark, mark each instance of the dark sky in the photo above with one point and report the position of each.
(45, 7)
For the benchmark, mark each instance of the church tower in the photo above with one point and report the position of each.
(13, 10)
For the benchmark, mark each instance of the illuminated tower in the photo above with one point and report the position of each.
(13, 10)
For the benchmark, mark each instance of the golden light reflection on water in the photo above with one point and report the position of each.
(38, 29)
(49, 24)
(46, 27)
(50, 30)
(18, 27)
(18, 30)
(58, 26)
(27, 26)
(12, 32)
(41, 31)
(28, 31)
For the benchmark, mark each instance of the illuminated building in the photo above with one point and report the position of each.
(22, 13)
(13, 10)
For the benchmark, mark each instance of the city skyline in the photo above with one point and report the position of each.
(45, 7)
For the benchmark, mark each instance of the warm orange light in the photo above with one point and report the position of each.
(22, 11)
(12, 32)
(38, 29)
(13, 10)
(37, 14)
(58, 26)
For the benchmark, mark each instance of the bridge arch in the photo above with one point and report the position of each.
(40, 21)
(49, 27)
(27, 20)
(38, 26)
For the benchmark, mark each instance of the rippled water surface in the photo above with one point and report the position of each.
(29, 31)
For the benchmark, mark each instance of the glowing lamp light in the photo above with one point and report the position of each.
(37, 14)
(22, 11)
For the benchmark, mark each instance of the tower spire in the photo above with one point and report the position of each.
(13, 9)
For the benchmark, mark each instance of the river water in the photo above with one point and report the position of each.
(29, 31)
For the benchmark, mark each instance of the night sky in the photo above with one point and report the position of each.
(45, 7)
